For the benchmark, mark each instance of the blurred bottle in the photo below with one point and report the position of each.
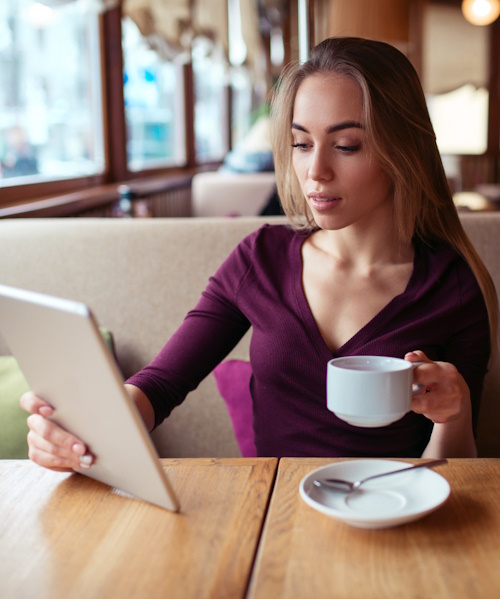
(123, 207)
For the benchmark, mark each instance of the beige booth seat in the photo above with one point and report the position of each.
(141, 276)
(221, 193)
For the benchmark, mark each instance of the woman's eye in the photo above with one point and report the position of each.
(345, 149)
(349, 149)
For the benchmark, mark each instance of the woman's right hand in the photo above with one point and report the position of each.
(49, 445)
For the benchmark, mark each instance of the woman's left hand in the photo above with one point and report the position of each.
(447, 396)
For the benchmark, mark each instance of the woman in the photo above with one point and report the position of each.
(377, 263)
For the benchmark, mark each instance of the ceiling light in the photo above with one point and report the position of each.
(481, 12)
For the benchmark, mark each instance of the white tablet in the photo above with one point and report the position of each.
(65, 360)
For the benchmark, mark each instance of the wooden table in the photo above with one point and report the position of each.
(453, 552)
(67, 536)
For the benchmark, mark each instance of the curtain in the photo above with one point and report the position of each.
(455, 53)
(253, 39)
(176, 22)
(171, 25)
(83, 5)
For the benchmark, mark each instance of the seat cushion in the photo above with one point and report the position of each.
(13, 427)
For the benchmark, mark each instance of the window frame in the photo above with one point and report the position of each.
(116, 169)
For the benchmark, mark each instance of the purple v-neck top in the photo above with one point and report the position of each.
(441, 312)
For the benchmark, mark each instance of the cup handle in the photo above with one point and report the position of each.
(416, 389)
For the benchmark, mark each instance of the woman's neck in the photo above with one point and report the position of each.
(364, 249)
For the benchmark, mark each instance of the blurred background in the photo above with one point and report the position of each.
(108, 101)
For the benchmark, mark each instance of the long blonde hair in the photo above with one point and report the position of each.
(401, 137)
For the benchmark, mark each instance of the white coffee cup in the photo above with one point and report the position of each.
(370, 391)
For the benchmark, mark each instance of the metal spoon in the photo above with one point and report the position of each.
(347, 486)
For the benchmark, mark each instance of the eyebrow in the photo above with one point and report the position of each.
(333, 128)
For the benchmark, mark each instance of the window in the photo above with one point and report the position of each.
(455, 78)
(241, 104)
(460, 120)
(211, 101)
(88, 99)
(50, 96)
(154, 104)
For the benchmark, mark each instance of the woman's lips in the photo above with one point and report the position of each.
(321, 202)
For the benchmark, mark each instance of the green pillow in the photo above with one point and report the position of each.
(108, 340)
(13, 427)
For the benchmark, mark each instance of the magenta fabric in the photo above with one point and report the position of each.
(233, 381)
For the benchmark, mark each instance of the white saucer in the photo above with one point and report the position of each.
(381, 503)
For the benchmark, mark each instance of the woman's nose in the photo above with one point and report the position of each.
(320, 167)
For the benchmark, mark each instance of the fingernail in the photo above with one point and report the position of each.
(86, 461)
(46, 411)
